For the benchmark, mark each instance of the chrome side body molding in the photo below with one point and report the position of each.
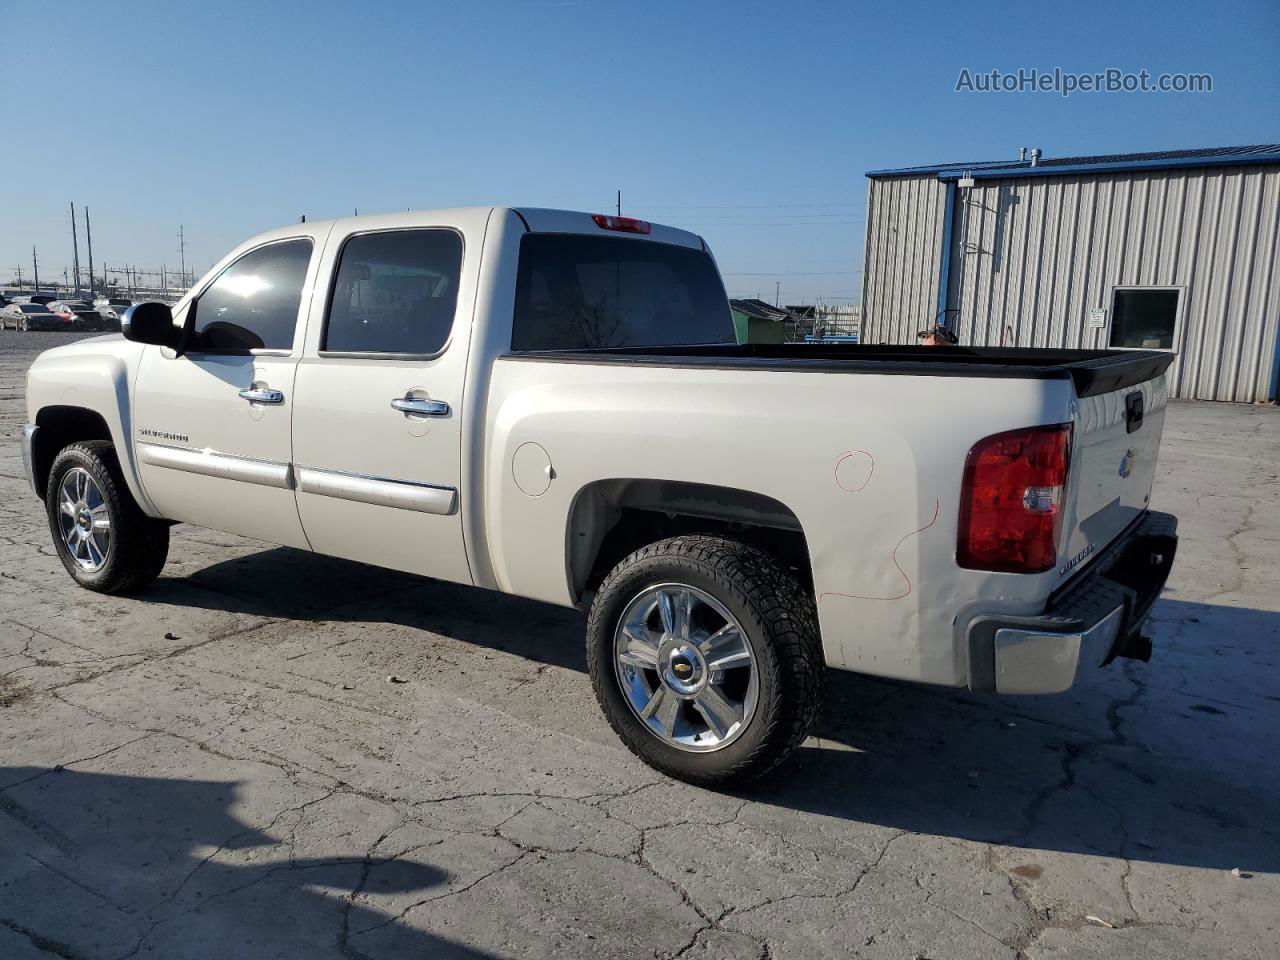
(401, 494)
(381, 491)
(210, 463)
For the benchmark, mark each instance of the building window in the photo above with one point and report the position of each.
(1144, 317)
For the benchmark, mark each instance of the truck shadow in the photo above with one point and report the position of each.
(295, 584)
(1168, 762)
(112, 865)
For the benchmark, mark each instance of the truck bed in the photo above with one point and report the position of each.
(1093, 372)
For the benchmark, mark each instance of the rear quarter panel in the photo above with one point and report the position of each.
(871, 465)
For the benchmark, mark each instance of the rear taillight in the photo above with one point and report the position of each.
(623, 224)
(1012, 499)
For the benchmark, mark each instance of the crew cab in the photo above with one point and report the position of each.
(552, 404)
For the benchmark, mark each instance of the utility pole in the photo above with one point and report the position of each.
(35, 265)
(164, 281)
(777, 292)
(88, 239)
(619, 203)
(182, 252)
(19, 269)
(75, 248)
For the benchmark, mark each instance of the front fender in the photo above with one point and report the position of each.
(94, 375)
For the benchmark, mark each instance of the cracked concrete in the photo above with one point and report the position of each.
(217, 768)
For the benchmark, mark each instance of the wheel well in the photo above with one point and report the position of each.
(60, 427)
(610, 519)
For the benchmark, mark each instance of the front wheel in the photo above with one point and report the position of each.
(103, 538)
(704, 655)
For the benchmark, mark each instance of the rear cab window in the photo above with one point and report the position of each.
(576, 292)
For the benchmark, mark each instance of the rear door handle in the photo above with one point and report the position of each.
(262, 395)
(423, 408)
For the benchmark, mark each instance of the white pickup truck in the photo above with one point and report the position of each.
(552, 404)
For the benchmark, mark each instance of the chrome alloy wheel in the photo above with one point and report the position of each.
(84, 520)
(686, 667)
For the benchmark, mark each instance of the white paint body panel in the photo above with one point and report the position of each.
(196, 397)
(773, 433)
(96, 374)
(870, 464)
(343, 422)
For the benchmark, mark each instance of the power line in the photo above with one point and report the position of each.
(749, 206)
(789, 273)
(781, 223)
(792, 216)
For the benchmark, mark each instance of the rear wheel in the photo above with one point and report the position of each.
(705, 658)
(102, 537)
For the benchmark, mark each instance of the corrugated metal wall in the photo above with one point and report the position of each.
(900, 268)
(1032, 255)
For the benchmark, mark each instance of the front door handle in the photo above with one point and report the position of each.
(262, 395)
(423, 408)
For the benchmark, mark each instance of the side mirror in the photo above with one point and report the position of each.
(151, 322)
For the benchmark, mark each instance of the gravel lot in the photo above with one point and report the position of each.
(220, 768)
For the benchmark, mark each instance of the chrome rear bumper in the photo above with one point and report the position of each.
(1088, 622)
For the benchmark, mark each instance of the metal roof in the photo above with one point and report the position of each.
(1107, 163)
(759, 309)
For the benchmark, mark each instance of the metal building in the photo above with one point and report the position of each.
(1177, 251)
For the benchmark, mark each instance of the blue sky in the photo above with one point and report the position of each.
(751, 123)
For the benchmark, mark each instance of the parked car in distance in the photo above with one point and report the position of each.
(30, 316)
(79, 314)
(563, 413)
(112, 310)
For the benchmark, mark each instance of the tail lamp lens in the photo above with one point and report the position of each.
(1012, 500)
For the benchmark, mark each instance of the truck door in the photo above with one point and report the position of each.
(211, 428)
(376, 423)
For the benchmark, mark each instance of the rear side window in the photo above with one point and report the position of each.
(395, 292)
(253, 304)
(583, 292)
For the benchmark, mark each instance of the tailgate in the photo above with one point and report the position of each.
(1115, 445)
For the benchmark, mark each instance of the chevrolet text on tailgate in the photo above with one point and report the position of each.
(552, 404)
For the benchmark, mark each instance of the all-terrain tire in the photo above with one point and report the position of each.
(138, 544)
(780, 621)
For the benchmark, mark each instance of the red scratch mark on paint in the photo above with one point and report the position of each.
(937, 506)
(835, 471)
